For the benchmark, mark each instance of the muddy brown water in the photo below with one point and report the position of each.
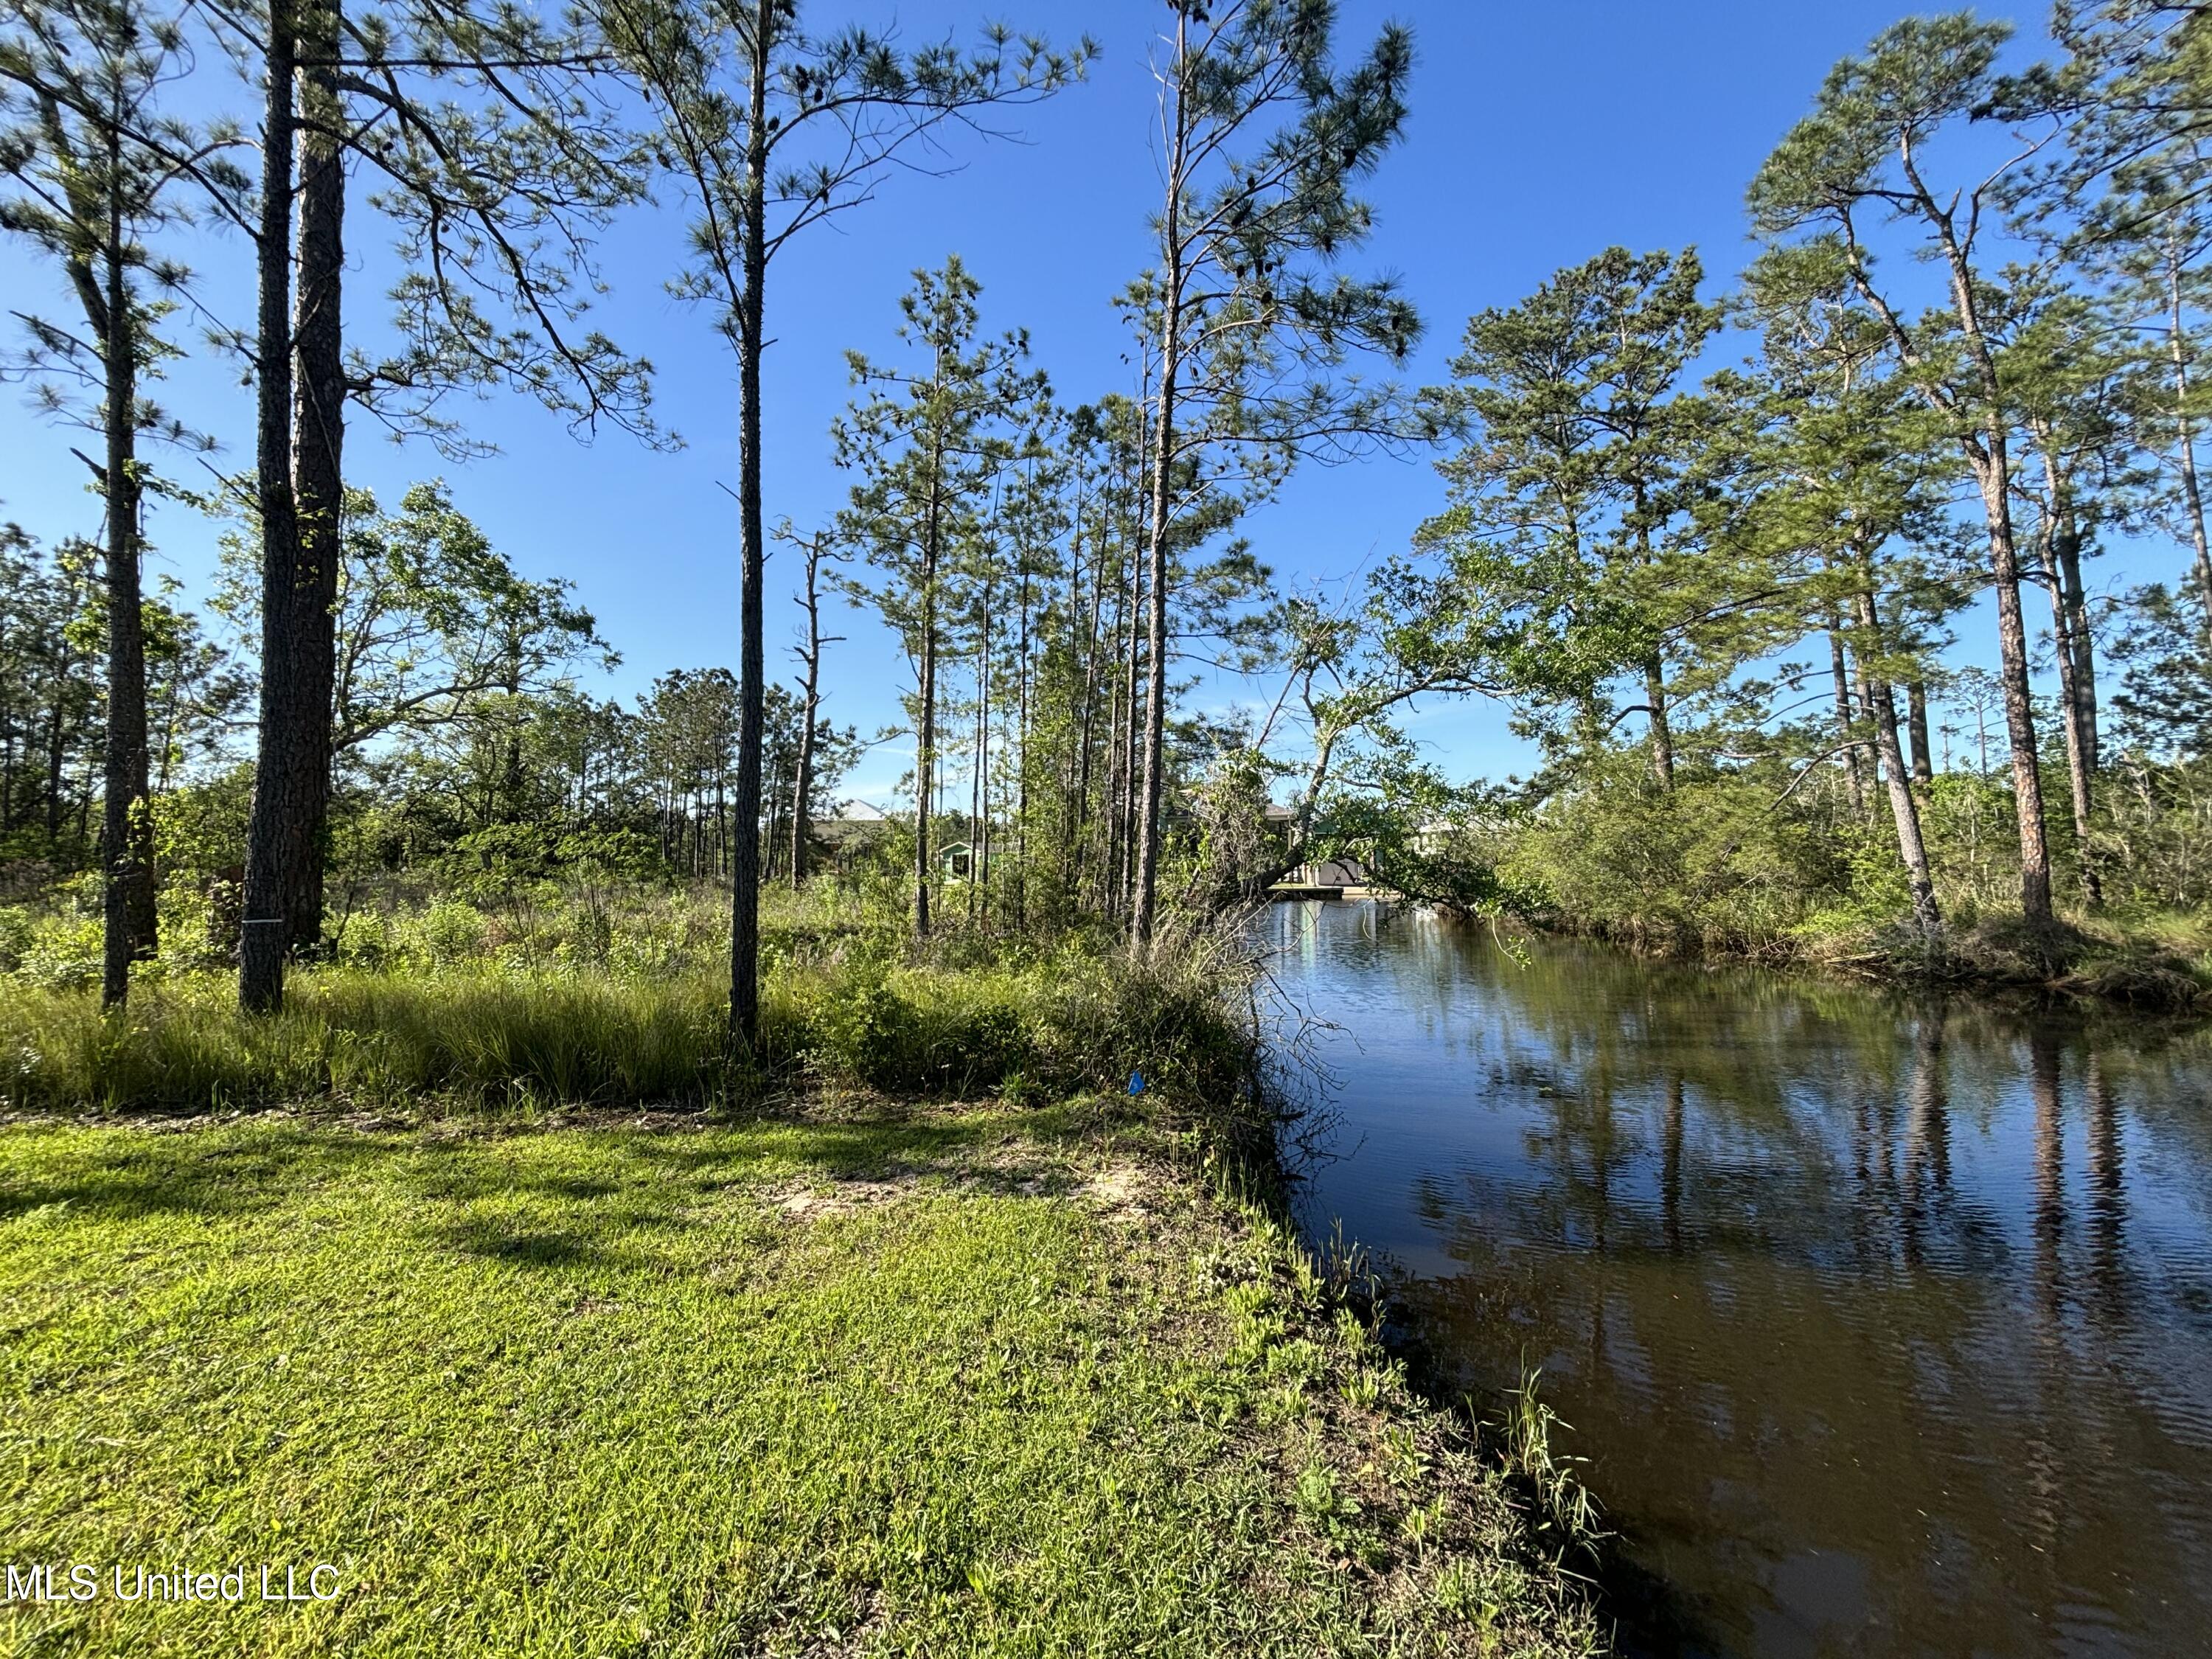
(1884, 1323)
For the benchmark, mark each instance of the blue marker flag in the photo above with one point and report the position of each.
(1136, 1082)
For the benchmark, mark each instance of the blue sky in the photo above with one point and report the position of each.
(1540, 134)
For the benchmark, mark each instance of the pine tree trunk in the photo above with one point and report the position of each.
(1990, 456)
(802, 788)
(1841, 671)
(2077, 759)
(1126, 744)
(278, 814)
(774, 793)
(2185, 443)
(2070, 631)
(925, 739)
(1078, 820)
(744, 851)
(126, 823)
(979, 855)
(1145, 895)
(317, 450)
(1022, 752)
(1129, 740)
(1924, 757)
(2083, 653)
(57, 738)
(2202, 561)
(2019, 719)
(1662, 734)
(1881, 701)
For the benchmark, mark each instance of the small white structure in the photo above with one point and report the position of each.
(1336, 873)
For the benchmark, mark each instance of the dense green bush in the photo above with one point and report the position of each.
(1709, 861)
(54, 944)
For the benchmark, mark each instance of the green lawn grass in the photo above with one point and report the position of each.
(927, 1380)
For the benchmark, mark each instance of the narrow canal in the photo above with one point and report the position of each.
(1884, 1323)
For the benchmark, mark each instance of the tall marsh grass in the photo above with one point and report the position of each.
(484, 1032)
(472, 1038)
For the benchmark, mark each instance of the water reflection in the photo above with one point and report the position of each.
(1887, 1325)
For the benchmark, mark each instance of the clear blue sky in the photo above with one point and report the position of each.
(1540, 134)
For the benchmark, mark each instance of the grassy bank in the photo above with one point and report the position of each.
(2158, 961)
(480, 1275)
(866, 1379)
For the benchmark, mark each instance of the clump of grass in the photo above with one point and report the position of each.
(1564, 1503)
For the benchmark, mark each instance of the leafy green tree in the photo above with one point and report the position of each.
(1246, 319)
(770, 130)
(2164, 703)
(49, 693)
(1862, 154)
(196, 696)
(2130, 204)
(85, 141)
(689, 734)
(2157, 261)
(430, 618)
(1841, 484)
(927, 444)
(1568, 504)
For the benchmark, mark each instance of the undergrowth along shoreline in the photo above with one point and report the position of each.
(478, 1036)
(2085, 962)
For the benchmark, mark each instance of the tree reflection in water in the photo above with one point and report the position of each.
(1886, 1324)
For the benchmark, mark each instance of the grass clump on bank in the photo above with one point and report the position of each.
(896, 1380)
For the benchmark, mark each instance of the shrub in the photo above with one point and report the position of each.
(63, 953)
(18, 927)
(450, 931)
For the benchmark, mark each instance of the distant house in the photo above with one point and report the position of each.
(1316, 875)
(956, 860)
(1328, 875)
(851, 836)
(855, 824)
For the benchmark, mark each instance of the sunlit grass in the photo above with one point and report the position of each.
(964, 1383)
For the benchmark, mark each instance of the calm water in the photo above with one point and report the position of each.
(1886, 1325)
